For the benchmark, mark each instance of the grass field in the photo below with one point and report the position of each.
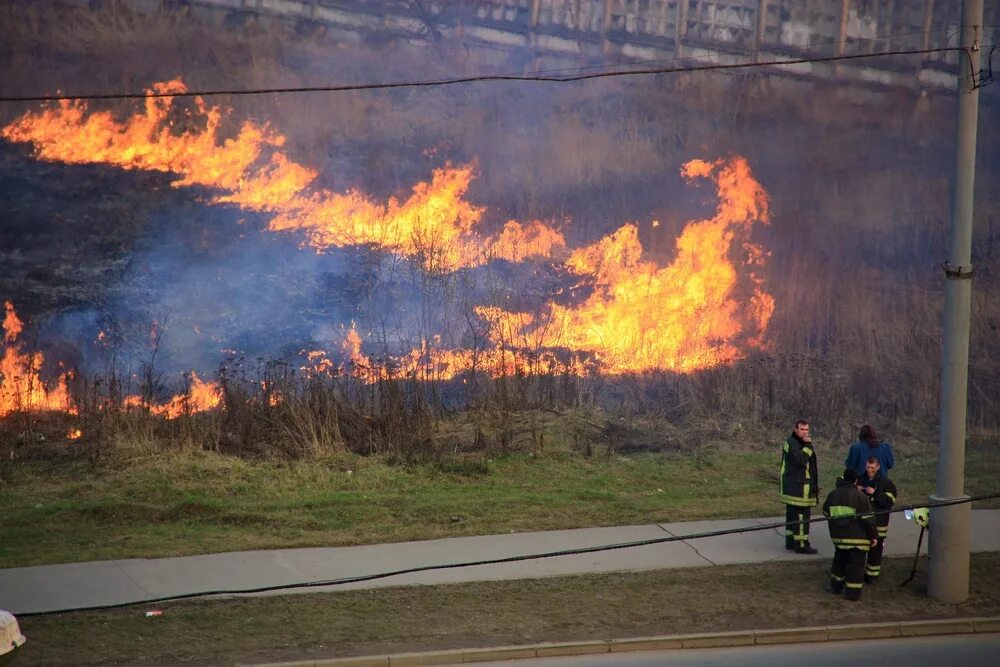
(197, 502)
(315, 626)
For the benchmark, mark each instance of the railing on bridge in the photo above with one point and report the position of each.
(702, 30)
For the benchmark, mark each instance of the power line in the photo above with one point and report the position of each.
(474, 79)
(494, 561)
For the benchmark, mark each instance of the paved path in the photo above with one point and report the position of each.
(50, 587)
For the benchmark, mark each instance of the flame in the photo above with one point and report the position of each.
(318, 363)
(434, 223)
(74, 434)
(12, 325)
(67, 133)
(681, 317)
(517, 242)
(21, 386)
(430, 361)
(707, 307)
(200, 397)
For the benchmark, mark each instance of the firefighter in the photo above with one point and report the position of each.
(798, 487)
(853, 533)
(882, 494)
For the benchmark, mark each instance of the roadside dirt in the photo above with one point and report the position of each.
(355, 623)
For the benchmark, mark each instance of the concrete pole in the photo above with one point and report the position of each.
(948, 546)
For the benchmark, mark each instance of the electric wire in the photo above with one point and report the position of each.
(544, 76)
(787, 62)
(491, 561)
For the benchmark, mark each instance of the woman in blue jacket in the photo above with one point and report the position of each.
(869, 445)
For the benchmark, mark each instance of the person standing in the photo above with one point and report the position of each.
(869, 444)
(853, 533)
(882, 494)
(798, 487)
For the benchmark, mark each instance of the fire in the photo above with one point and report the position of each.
(434, 223)
(200, 397)
(21, 387)
(430, 361)
(708, 306)
(67, 133)
(74, 434)
(681, 317)
(517, 242)
(12, 325)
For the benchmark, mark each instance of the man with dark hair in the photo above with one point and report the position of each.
(882, 494)
(798, 487)
(853, 533)
(869, 444)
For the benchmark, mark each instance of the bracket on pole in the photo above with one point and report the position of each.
(953, 272)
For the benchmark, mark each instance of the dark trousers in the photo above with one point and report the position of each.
(797, 526)
(848, 572)
(874, 567)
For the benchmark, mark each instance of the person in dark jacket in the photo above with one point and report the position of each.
(882, 494)
(853, 533)
(798, 487)
(869, 444)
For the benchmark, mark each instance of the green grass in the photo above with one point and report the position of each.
(392, 620)
(191, 503)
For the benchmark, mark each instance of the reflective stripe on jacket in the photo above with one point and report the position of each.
(883, 499)
(852, 525)
(799, 473)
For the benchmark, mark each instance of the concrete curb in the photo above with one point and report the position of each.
(944, 626)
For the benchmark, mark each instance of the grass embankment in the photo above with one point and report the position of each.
(315, 626)
(192, 503)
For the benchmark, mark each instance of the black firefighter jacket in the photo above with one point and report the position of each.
(883, 499)
(799, 473)
(849, 511)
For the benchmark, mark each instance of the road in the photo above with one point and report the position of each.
(982, 650)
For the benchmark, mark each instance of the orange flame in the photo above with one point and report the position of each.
(695, 313)
(517, 242)
(21, 387)
(74, 434)
(147, 141)
(200, 397)
(12, 325)
(681, 317)
(435, 223)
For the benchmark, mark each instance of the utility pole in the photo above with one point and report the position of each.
(948, 546)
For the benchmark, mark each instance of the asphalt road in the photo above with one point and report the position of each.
(981, 650)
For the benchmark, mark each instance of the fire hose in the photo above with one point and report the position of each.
(916, 510)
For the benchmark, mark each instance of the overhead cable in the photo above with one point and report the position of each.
(475, 79)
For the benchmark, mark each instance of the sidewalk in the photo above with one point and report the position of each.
(50, 587)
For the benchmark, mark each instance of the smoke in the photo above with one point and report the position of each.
(198, 283)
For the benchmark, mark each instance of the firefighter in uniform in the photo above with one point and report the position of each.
(853, 533)
(798, 487)
(882, 494)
